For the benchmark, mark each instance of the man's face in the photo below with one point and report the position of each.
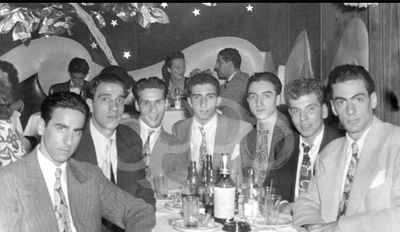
(177, 69)
(61, 135)
(222, 68)
(262, 99)
(77, 78)
(151, 105)
(308, 115)
(107, 106)
(354, 106)
(204, 101)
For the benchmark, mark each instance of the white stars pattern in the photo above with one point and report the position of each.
(196, 12)
(93, 45)
(114, 23)
(127, 55)
(249, 8)
(164, 5)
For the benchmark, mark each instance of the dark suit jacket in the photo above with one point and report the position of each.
(130, 173)
(285, 177)
(26, 206)
(281, 150)
(233, 99)
(165, 146)
(64, 87)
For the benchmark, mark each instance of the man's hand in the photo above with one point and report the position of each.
(327, 227)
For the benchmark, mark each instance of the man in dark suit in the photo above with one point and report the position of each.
(150, 96)
(306, 101)
(115, 148)
(270, 144)
(48, 191)
(78, 69)
(233, 92)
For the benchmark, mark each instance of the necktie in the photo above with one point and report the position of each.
(203, 147)
(109, 155)
(349, 180)
(261, 160)
(60, 206)
(305, 169)
(146, 153)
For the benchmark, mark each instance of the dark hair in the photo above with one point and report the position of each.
(69, 100)
(231, 54)
(168, 63)
(300, 87)
(149, 83)
(78, 65)
(266, 76)
(120, 72)
(5, 101)
(104, 78)
(12, 72)
(348, 72)
(201, 79)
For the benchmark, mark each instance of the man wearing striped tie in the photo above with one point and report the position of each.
(48, 191)
(357, 177)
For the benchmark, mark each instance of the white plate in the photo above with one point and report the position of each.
(179, 226)
(284, 221)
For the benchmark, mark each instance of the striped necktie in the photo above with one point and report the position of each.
(305, 169)
(146, 153)
(60, 205)
(203, 147)
(349, 180)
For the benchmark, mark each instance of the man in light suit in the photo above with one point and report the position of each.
(150, 94)
(48, 191)
(357, 178)
(307, 108)
(221, 134)
(270, 145)
(233, 92)
(78, 69)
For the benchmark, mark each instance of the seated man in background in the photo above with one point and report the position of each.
(150, 95)
(233, 91)
(78, 69)
(49, 191)
(270, 144)
(308, 109)
(115, 148)
(207, 132)
(357, 177)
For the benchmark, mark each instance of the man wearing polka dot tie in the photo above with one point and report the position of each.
(357, 177)
(48, 191)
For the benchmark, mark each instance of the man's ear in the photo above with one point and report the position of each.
(90, 104)
(324, 111)
(374, 100)
(278, 100)
(189, 100)
(137, 105)
(333, 109)
(41, 126)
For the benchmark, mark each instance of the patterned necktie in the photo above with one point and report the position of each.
(60, 206)
(203, 147)
(305, 169)
(261, 160)
(109, 155)
(146, 153)
(349, 180)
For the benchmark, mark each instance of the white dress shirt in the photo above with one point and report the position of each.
(144, 131)
(210, 129)
(231, 76)
(269, 125)
(48, 169)
(349, 152)
(100, 144)
(312, 153)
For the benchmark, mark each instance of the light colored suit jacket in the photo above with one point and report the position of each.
(228, 135)
(26, 206)
(166, 144)
(375, 194)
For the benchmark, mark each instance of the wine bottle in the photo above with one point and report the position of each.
(209, 192)
(203, 182)
(224, 193)
(192, 179)
(250, 195)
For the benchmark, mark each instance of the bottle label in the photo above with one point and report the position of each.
(224, 202)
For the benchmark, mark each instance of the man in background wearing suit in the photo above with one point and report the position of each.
(207, 132)
(270, 144)
(233, 91)
(355, 187)
(78, 69)
(150, 98)
(48, 191)
(308, 109)
(115, 148)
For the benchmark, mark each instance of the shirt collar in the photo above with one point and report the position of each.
(317, 140)
(210, 123)
(360, 141)
(47, 166)
(231, 76)
(146, 128)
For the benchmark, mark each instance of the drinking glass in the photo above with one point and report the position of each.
(190, 211)
(271, 213)
(161, 185)
(264, 193)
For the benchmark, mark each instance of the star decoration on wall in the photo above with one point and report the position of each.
(164, 5)
(127, 55)
(93, 45)
(114, 23)
(196, 12)
(249, 8)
